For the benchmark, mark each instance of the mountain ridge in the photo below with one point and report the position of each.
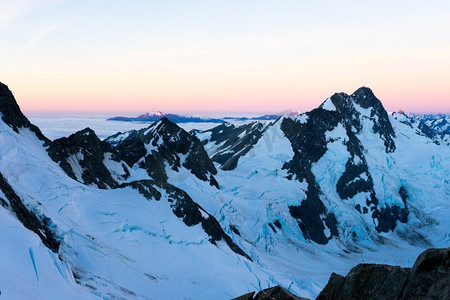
(176, 118)
(156, 116)
(266, 201)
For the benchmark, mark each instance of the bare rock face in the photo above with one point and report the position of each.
(429, 278)
(278, 293)
(310, 143)
(84, 150)
(163, 144)
(273, 293)
(11, 114)
(366, 281)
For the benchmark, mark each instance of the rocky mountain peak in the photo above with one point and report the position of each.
(363, 105)
(82, 155)
(12, 115)
(87, 131)
(166, 142)
(164, 124)
(353, 119)
(85, 137)
(365, 97)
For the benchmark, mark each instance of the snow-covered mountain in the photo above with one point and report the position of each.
(268, 117)
(226, 143)
(165, 213)
(175, 118)
(157, 115)
(435, 127)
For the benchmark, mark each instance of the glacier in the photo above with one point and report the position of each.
(165, 212)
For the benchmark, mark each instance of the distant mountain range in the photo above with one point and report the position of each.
(157, 115)
(164, 213)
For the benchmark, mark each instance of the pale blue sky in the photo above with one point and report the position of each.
(223, 55)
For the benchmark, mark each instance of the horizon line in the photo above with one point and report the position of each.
(133, 113)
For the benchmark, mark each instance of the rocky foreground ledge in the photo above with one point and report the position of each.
(429, 278)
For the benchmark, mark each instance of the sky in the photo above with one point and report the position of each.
(223, 56)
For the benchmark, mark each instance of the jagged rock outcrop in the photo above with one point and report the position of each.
(381, 124)
(39, 225)
(12, 115)
(366, 281)
(82, 156)
(429, 278)
(227, 143)
(164, 143)
(273, 293)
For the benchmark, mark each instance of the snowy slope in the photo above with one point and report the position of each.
(254, 199)
(108, 246)
(162, 213)
(435, 127)
(404, 174)
(118, 243)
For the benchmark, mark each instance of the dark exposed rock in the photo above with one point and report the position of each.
(403, 194)
(309, 217)
(309, 142)
(164, 142)
(278, 293)
(352, 183)
(235, 230)
(272, 227)
(436, 127)
(333, 287)
(12, 115)
(426, 130)
(145, 188)
(429, 278)
(248, 296)
(186, 209)
(433, 126)
(39, 225)
(388, 216)
(84, 142)
(366, 281)
(381, 125)
(273, 293)
(277, 223)
(232, 142)
(120, 137)
(89, 152)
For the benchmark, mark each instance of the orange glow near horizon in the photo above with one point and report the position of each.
(260, 96)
